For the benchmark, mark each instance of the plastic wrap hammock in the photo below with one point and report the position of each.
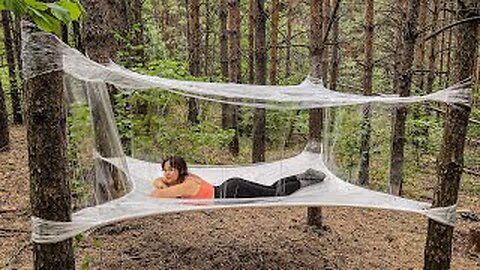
(310, 94)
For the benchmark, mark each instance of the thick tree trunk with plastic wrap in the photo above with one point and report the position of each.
(315, 123)
(438, 249)
(4, 134)
(404, 85)
(47, 155)
(259, 116)
(103, 19)
(12, 73)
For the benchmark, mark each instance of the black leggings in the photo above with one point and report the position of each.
(241, 188)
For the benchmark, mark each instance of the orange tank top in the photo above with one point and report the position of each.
(206, 191)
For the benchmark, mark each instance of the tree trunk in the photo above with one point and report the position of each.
(206, 51)
(47, 157)
(234, 21)
(258, 148)
(364, 175)
(420, 46)
(438, 249)
(450, 46)
(400, 114)
(442, 41)
(251, 52)
(315, 120)
(222, 14)
(273, 42)
(401, 6)
(433, 46)
(4, 134)
(194, 55)
(325, 34)
(288, 44)
(137, 32)
(64, 33)
(78, 37)
(17, 36)
(335, 57)
(103, 18)
(14, 86)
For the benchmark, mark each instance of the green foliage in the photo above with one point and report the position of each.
(47, 16)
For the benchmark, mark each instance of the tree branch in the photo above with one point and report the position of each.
(450, 26)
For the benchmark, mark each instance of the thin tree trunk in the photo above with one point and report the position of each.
(420, 49)
(251, 52)
(315, 120)
(10, 53)
(450, 45)
(400, 114)
(273, 42)
(4, 134)
(288, 44)
(438, 249)
(64, 32)
(325, 33)
(137, 32)
(259, 117)
(335, 56)
(206, 51)
(234, 21)
(401, 6)
(194, 55)
(47, 157)
(433, 46)
(442, 41)
(222, 14)
(17, 36)
(78, 37)
(364, 175)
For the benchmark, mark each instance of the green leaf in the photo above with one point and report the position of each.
(60, 13)
(17, 6)
(44, 20)
(36, 5)
(74, 7)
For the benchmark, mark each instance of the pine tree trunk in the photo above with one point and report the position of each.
(222, 14)
(273, 42)
(259, 117)
(449, 46)
(438, 249)
(17, 36)
(206, 51)
(420, 46)
(194, 55)
(103, 18)
(4, 134)
(433, 46)
(64, 32)
(325, 33)
(288, 40)
(364, 175)
(47, 155)
(14, 86)
(234, 51)
(78, 37)
(441, 50)
(400, 114)
(401, 7)
(335, 56)
(137, 32)
(315, 120)
(251, 52)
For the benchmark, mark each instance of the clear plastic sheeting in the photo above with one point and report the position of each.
(331, 192)
(86, 84)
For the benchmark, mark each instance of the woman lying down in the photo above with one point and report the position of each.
(177, 182)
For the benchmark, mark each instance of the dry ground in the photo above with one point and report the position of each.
(263, 238)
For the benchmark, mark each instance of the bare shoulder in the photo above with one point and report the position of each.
(194, 177)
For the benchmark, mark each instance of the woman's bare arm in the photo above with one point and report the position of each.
(186, 189)
(159, 183)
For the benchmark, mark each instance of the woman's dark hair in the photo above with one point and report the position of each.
(179, 164)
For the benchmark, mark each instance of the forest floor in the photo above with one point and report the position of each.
(261, 238)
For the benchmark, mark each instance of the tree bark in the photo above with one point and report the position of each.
(325, 34)
(438, 249)
(315, 119)
(4, 134)
(441, 51)
(401, 7)
(273, 42)
(251, 33)
(78, 37)
(400, 114)
(47, 157)
(64, 33)
(137, 32)
(234, 51)
(433, 46)
(258, 148)
(17, 37)
(335, 56)
(103, 18)
(222, 14)
(206, 51)
(194, 54)
(288, 41)
(12, 74)
(364, 175)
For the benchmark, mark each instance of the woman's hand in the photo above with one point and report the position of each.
(158, 183)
